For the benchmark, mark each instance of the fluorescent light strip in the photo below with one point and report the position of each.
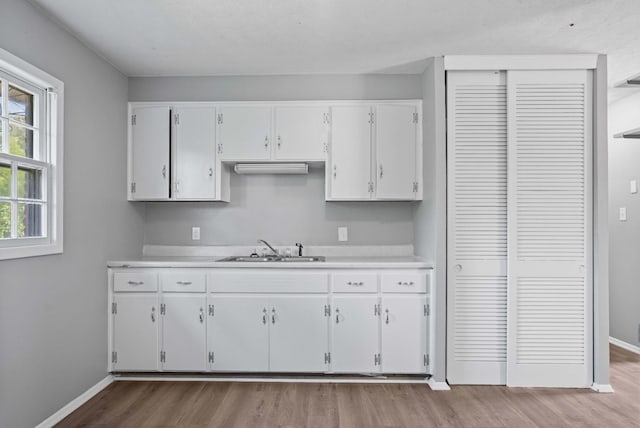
(271, 168)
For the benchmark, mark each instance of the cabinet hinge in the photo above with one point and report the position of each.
(219, 148)
(177, 187)
(426, 360)
(114, 357)
(375, 309)
(415, 117)
(326, 118)
(133, 187)
(327, 310)
(163, 309)
(415, 186)
(371, 117)
(176, 119)
(327, 357)
(371, 187)
(211, 357)
(133, 119)
(326, 147)
(211, 310)
(377, 360)
(427, 310)
(220, 119)
(163, 356)
(114, 308)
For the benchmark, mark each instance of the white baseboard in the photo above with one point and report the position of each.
(624, 345)
(75, 403)
(438, 386)
(267, 379)
(603, 388)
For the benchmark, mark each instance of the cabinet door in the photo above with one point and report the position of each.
(149, 162)
(298, 334)
(244, 133)
(135, 332)
(356, 334)
(404, 334)
(195, 153)
(301, 133)
(396, 157)
(349, 172)
(238, 336)
(183, 332)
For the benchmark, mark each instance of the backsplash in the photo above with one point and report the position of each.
(283, 209)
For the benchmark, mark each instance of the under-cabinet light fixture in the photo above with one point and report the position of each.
(271, 168)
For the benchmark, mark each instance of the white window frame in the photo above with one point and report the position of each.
(51, 122)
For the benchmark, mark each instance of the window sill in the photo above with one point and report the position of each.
(30, 251)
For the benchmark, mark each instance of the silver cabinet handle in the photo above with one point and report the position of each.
(164, 171)
(335, 171)
(201, 315)
(264, 316)
(279, 141)
(273, 316)
(355, 284)
(337, 316)
(135, 283)
(405, 283)
(210, 172)
(153, 314)
(386, 320)
(380, 170)
(183, 282)
(266, 142)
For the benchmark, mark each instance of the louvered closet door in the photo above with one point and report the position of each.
(477, 227)
(549, 315)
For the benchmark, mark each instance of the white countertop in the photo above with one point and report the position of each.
(410, 262)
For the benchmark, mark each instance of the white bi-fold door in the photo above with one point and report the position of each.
(519, 228)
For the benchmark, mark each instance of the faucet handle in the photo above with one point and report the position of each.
(300, 247)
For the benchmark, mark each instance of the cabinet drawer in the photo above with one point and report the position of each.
(183, 281)
(135, 281)
(241, 281)
(355, 282)
(404, 282)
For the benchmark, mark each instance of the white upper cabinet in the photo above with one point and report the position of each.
(149, 153)
(301, 133)
(349, 171)
(396, 155)
(195, 153)
(375, 153)
(244, 133)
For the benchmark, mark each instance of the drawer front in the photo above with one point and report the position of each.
(355, 282)
(135, 281)
(405, 282)
(183, 282)
(268, 282)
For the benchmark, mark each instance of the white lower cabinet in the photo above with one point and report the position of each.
(135, 332)
(404, 334)
(299, 334)
(238, 335)
(356, 335)
(183, 332)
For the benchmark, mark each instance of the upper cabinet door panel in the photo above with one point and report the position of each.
(395, 137)
(150, 132)
(350, 167)
(195, 149)
(301, 133)
(244, 133)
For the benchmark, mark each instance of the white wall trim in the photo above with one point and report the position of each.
(602, 388)
(521, 62)
(75, 403)
(624, 345)
(438, 386)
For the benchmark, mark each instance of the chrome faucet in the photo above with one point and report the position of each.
(270, 247)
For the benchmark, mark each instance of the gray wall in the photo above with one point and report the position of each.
(282, 209)
(53, 330)
(624, 237)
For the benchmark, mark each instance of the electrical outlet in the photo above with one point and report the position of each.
(195, 233)
(343, 234)
(623, 214)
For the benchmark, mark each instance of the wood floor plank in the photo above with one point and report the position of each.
(258, 404)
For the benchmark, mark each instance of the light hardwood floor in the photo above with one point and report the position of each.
(231, 404)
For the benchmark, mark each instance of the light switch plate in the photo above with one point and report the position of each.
(343, 234)
(633, 186)
(623, 214)
(195, 233)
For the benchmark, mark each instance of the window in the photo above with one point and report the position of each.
(30, 160)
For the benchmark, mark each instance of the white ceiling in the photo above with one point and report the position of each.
(231, 37)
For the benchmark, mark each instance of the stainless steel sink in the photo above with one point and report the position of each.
(258, 259)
